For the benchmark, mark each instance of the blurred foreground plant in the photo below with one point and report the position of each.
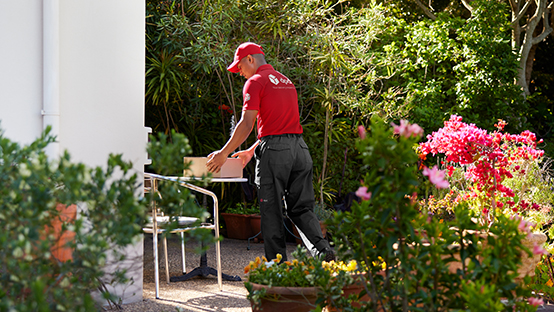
(110, 216)
(430, 264)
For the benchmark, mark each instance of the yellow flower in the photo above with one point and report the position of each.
(352, 265)
(549, 283)
(294, 262)
(258, 261)
(380, 263)
(264, 259)
(279, 257)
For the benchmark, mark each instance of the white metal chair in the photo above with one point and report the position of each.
(156, 225)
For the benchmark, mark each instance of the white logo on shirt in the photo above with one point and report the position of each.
(247, 97)
(273, 79)
(286, 81)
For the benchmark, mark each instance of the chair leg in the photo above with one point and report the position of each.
(183, 253)
(218, 260)
(166, 260)
(156, 264)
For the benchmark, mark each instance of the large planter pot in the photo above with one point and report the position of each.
(286, 299)
(238, 225)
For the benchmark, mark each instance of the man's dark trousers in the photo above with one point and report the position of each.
(284, 167)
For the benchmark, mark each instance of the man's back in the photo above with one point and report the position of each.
(274, 96)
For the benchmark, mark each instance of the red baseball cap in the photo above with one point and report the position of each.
(244, 50)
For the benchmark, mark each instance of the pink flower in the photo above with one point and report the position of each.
(415, 130)
(407, 130)
(535, 301)
(436, 177)
(538, 250)
(361, 132)
(363, 194)
(524, 225)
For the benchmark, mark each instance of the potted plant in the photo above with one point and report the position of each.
(238, 221)
(296, 285)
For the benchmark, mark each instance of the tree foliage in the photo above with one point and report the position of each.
(452, 65)
(348, 61)
(326, 54)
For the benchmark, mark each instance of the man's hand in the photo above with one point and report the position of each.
(244, 127)
(215, 161)
(245, 156)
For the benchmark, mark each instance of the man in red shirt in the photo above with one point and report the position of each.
(283, 162)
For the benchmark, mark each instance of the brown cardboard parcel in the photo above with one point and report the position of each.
(231, 169)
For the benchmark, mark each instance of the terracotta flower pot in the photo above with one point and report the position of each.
(256, 224)
(286, 299)
(238, 225)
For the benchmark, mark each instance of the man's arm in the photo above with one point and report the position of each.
(241, 133)
(246, 155)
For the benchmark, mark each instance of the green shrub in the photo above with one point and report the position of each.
(110, 216)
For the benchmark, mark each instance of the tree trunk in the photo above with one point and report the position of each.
(541, 12)
(325, 148)
(529, 65)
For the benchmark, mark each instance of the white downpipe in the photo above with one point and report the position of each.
(51, 73)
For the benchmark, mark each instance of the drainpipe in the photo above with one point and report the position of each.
(51, 73)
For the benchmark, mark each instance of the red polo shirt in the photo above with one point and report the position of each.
(274, 96)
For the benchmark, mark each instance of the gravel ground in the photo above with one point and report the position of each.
(197, 294)
(203, 294)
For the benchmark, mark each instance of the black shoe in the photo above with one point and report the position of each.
(327, 254)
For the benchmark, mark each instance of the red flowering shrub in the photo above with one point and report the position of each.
(492, 163)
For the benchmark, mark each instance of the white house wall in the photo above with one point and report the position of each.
(101, 83)
(21, 69)
(102, 79)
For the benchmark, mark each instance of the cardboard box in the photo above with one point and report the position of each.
(231, 169)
